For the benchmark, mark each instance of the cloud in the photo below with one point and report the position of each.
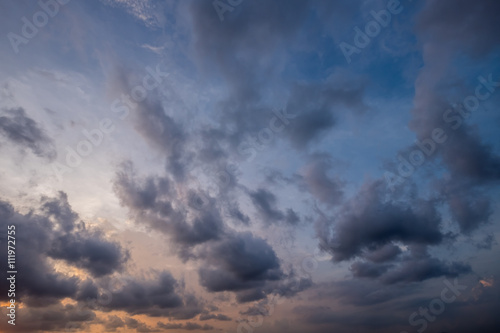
(138, 326)
(26, 133)
(420, 266)
(266, 202)
(370, 220)
(210, 316)
(54, 232)
(137, 297)
(318, 181)
(151, 202)
(189, 326)
(163, 133)
(46, 318)
(229, 260)
(257, 69)
(471, 163)
(242, 263)
(112, 323)
(457, 25)
(316, 107)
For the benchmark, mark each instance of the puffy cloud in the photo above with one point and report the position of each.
(371, 220)
(55, 232)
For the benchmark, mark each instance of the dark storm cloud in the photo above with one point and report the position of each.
(266, 203)
(368, 269)
(241, 262)
(414, 266)
(368, 226)
(54, 231)
(23, 131)
(248, 266)
(89, 251)
(159, 295)
(150, 201)
(138, 297)
(229, 260)
(420, 269)
(80, 246)
(385, 253)
(370, 220)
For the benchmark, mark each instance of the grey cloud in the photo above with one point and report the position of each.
(318, 181)
(150, 201)
(385, 253)
(266, 202)
(369, 221)
(49, 231)
(238, 263)
(23, 131)
(419, 266)
(461, 24)
(472, 164)
(316, 107)
(144, 297)
(139, 326)
(189, 326)
(210, 316)
(367, 269)
(229, 261)
(56, 317)
(164, 133)
(249, 77)
(112, 323)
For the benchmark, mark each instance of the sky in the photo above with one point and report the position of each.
(249, 166)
